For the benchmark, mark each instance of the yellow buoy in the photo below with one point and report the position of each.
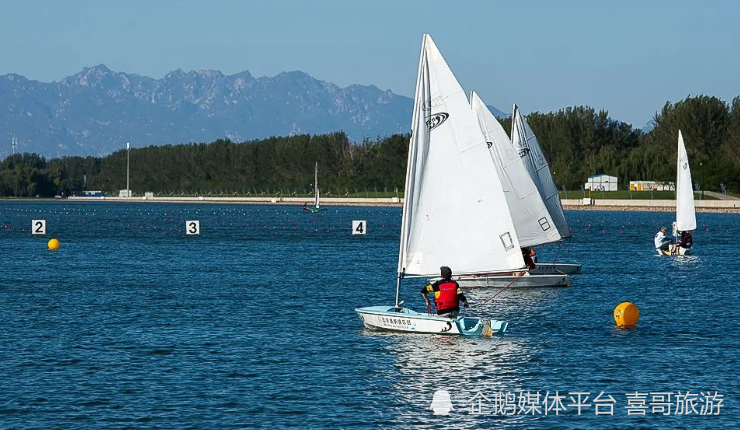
(626, 314)
(53, 245)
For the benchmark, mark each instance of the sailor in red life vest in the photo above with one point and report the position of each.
(447, 294)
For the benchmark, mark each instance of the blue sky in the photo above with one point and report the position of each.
(628, 57)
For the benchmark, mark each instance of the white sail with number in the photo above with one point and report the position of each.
(525, 142)
(532, 220)
(685, 211)
(455, 212)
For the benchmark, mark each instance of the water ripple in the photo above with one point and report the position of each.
(251, 324)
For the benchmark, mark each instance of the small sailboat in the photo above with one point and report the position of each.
(526, 145)
(455, 213)
(532, 221)
(685, 210)
(317, 198)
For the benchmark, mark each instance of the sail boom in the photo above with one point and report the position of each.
(456, 274)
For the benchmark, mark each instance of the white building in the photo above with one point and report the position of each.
(601, 183)
(652, 185)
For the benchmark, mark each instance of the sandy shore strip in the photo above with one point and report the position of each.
(647, 209)
(702, 206)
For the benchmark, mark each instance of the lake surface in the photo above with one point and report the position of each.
(251, 324)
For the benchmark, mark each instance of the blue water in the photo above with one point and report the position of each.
(251, 324)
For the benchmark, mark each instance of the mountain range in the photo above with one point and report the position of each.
(97, 110)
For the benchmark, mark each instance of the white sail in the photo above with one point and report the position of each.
(316, 184)
(455, 211)
(685, 212)
(525, 142)
(532, 221)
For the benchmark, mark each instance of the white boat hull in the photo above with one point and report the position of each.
(503, 280)
(406, 320)
(671, 252)
(556, 269)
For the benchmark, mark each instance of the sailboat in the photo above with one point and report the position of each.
(455, 213)
(532, 221)
(525, 143)
(317, 199)
(685, 210)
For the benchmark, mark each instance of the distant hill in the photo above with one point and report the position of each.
(96, 111)
(649, 126)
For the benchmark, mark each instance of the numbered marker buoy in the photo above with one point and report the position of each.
(192, 227)
(359, 227)
(38, 226)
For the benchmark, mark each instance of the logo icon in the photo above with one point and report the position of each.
(434, 121)
(441, 403)
(432, 103)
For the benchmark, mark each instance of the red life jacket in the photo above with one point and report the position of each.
(447, 298)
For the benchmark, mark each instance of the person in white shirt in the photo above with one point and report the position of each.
(661, 242)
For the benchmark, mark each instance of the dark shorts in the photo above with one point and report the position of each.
(449, 313)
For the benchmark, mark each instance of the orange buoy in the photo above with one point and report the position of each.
(53, 245)
(626, 314)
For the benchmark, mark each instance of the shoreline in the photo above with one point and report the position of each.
(702, 206)
(632, 208)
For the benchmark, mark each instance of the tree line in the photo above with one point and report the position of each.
(577, 141)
